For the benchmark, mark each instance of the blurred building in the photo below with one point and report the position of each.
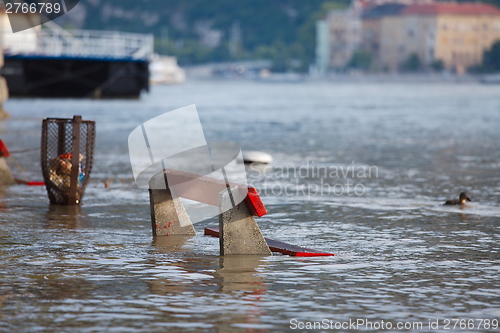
(373, 28)
(322, 46)
(452, 35)
(338, 36)
(340, 33)
(345, 34)
(456, 34)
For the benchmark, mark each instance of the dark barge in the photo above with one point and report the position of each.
(81, 64)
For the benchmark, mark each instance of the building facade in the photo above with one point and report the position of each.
(372, 28)
(455, 34)
(345, 34)
(322, 46)
(338, 36)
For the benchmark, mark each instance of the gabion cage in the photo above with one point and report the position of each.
(65, 143)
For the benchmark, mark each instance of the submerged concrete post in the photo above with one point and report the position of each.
(4, 91)
(239, 233)
(6, 177)
(168, 216)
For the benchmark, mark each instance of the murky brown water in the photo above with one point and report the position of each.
(400, 255)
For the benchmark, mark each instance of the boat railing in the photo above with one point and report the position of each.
(53, 41)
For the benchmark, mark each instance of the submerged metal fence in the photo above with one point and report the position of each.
(67, 143)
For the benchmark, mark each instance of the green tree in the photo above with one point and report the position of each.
(412, 63)
(278, 52)
(361, 60)
(283, 29)
(491, 58)
(437, 65)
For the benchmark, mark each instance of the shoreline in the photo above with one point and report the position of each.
(491, 79)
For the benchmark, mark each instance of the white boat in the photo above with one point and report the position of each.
(258, 157)
(164, 70)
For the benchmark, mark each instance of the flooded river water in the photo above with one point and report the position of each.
(400, 256)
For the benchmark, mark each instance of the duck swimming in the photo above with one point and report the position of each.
(460, 201)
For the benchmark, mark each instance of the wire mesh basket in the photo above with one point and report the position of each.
(67, 143)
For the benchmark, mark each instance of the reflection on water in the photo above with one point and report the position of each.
(239, 273)
(173, 243)
(400, 254)
(64, 217)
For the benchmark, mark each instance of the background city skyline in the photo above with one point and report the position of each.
(198, 32)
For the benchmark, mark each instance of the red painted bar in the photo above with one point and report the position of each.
(283, 248)
(254, 203)
(34, 183)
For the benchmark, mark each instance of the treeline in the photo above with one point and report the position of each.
(283, 31)
(199, 31)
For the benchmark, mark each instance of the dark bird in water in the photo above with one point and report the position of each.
(460, 201)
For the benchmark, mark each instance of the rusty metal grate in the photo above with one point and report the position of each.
(67, 142)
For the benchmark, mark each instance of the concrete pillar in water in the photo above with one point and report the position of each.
(239, 233)
(6, 177)
(168, 216)
(4, 91)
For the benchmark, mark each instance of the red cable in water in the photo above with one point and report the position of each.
(36, 183)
